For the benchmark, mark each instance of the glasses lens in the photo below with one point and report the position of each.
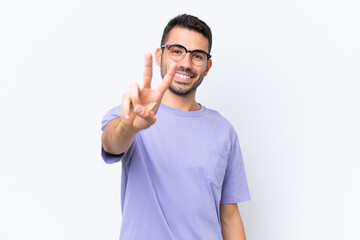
(198, 57)
(177, 52)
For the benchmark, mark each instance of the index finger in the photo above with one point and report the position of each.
(165, 83)
(148, 71)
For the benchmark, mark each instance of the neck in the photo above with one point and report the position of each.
(185, 103)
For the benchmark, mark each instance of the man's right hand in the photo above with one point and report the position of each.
(139, 105)
(138, 109)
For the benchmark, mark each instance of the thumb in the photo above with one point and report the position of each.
(145, 113)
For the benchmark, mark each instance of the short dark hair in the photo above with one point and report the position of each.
(190, 22)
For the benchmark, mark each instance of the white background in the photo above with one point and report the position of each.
(285, 73)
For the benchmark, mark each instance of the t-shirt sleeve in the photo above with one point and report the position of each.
(108, 157)
(235, 188)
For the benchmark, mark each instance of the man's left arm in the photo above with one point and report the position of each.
(232, 227)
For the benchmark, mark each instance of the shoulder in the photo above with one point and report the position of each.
(220, 124)
(214, 115)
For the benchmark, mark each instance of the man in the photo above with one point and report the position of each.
(182, 169)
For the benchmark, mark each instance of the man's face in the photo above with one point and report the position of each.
(188, 76)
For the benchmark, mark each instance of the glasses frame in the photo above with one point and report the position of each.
(168, 46)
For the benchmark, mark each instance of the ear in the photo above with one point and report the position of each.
(158, 53)
(208, 66)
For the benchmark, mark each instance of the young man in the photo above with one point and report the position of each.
(182, 169)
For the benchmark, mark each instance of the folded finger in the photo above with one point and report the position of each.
(126, 106)
(134, 94)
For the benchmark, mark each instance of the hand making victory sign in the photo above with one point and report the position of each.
(138, 109)
(139, 105)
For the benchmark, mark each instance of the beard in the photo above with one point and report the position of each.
(182, 90)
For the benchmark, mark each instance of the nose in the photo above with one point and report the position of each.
(186, 62)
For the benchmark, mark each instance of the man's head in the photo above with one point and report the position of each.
(189, 22)
(194, 38)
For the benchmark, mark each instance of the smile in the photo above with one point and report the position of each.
(179, 75)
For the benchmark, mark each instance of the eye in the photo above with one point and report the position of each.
(176, 50)
(198, 56)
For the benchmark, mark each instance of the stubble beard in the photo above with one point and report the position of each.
(178, 90)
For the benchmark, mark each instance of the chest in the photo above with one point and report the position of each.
(187, 150)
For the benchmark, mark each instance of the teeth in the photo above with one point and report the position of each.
(182, 76)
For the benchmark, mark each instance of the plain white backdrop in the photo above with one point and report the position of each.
(285, 73)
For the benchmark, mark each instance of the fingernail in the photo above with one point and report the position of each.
(126, 117)
(139, 109)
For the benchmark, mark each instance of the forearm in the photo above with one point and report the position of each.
(232, 227)
(116, 139)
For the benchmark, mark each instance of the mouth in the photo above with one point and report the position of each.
(182, 78)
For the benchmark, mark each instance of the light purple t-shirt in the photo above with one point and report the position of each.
(176, 174)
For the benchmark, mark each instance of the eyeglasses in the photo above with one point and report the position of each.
(177, 52)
